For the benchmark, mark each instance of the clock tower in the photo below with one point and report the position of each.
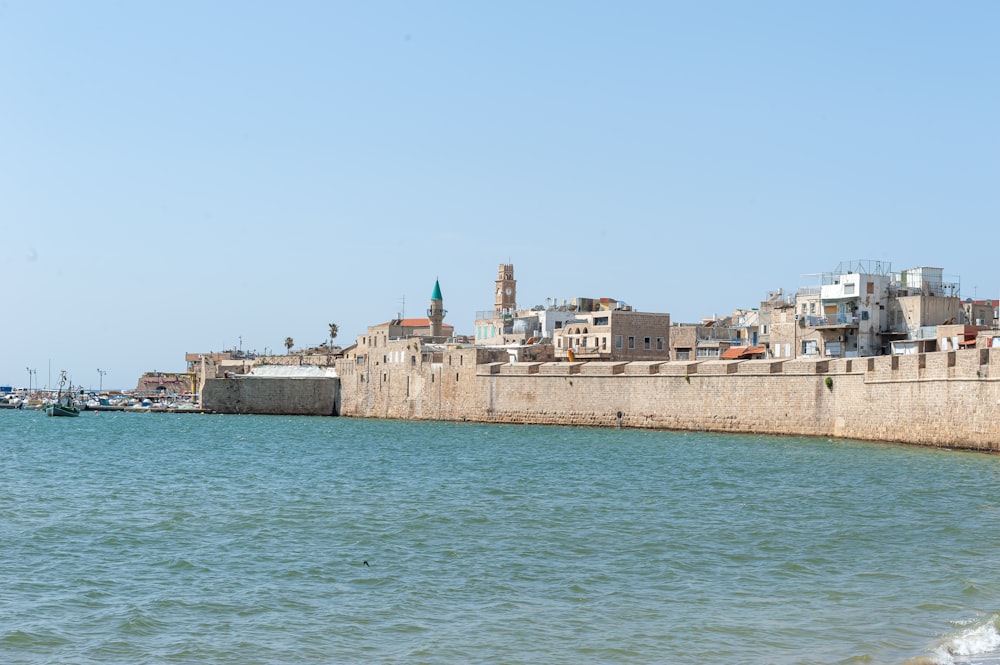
(506, 291)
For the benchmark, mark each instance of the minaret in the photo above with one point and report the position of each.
(436, 311)
(506, 300)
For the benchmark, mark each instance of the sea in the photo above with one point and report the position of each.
(195, 538)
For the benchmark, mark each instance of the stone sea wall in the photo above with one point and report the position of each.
(300, 396)
(949, 399)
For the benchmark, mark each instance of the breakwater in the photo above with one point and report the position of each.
(945, 399)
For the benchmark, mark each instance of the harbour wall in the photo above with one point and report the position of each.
(303, 396)
(947, 399)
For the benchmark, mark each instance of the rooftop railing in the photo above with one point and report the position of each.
(831, 320)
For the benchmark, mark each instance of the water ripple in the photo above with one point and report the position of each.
(147, 539)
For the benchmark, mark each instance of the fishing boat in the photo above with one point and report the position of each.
(63, 406)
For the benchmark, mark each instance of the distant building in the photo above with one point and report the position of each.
(980, 313)
(508, 326)
(431, 329)
(863, 308)
(702, 341)
(166, 383)
(620, 334)
(778, 320)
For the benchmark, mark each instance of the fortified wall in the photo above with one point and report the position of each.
(949, 399)
(294, 396)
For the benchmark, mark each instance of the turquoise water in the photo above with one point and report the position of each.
(149, 538)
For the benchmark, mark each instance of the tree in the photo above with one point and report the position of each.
(289, 343)
(333, 333)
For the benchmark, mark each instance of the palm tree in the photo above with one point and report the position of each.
(333, 333)
(289, 343)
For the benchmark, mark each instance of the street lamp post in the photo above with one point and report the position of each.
(100, 386)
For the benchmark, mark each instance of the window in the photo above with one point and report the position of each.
(631, 342)
(809, 347)
(712, 352)
(870, 287)
(647, 343)
(618, 341)
(660, 344)
(559, 324)
(601, 321)
(683, 354)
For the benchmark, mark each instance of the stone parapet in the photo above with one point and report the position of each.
(643, 367)
(520, 369)
(760, 367)
(560, 369)
(603, 369)
(910, 367)
(799, 367)
(849, 365)
(679, 368)
(716, 367)
(941, 364)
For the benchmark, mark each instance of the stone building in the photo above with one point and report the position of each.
(778, 322)
(702, 341)
(166, 383)
(980, 313)
(864, 308)
(507, 325)
(619, 334)
(431, 328)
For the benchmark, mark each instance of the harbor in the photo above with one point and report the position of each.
(126, 402)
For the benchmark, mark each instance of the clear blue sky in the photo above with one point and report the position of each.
(178, 176)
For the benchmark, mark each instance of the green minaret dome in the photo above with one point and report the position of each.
(437, 291)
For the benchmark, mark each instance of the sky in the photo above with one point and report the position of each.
(184, 177)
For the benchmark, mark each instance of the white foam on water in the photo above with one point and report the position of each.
(971, 644)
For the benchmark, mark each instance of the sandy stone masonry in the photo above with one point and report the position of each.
(949, 399)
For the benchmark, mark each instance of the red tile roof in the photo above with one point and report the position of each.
(409, 323)
(742, 351)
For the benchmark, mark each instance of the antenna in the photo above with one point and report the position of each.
(402, 307)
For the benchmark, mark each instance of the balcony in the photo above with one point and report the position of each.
(832, 322)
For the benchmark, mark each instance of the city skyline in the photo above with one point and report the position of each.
(192, 178)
